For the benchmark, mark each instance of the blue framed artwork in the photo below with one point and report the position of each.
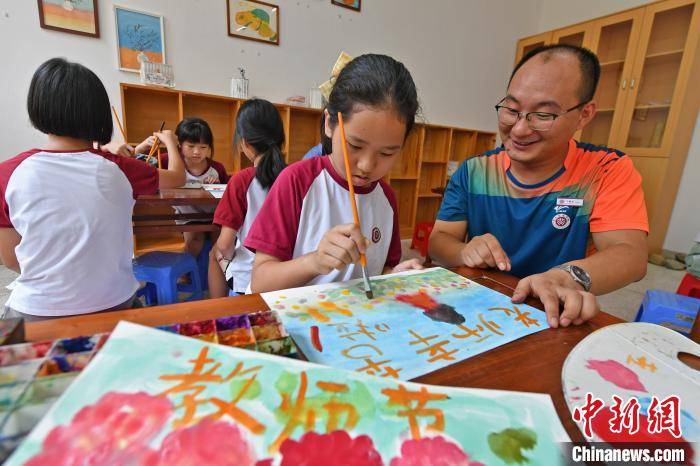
(138, 32)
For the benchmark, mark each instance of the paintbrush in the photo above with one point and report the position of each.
(156, 145)
(119, 123)
(351, 189)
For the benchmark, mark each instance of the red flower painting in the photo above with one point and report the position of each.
(337, 447)
(114, 431)
(435, 451)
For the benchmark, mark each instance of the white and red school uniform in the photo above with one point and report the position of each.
(237, 209)
(308, 199)
(214, 170)
(73, 211)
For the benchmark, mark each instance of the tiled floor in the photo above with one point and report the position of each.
(622, 303)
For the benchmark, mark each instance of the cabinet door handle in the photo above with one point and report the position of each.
(624, 84)
(632, 84)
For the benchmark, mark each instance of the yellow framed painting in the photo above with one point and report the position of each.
(253, 20)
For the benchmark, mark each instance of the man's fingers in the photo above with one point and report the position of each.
(573, 303)
(484, 252)
(590, 307)
(522, 290)
(499, 255)
(551, 307)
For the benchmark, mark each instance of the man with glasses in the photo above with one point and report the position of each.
(567, 217)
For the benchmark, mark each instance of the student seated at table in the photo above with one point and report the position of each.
(259, 136)
(304, 233)
(196, 146)
(65, 222)
(566, 216)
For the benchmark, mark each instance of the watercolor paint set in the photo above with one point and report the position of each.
(260, 331)
(34, 375)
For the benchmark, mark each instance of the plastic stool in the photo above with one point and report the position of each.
(669, 310)
(690, 286)
(148, 293)
(162, 269)
(421, 235)
(203, 264)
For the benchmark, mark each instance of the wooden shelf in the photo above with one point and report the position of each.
(652, 107)
(612, 63)
(605, 110)
(421, 166)
(669, 53)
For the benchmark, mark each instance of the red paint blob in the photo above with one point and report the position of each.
(617, 374)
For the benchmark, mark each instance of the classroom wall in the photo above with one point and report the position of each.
(685, 220)
(459, 59)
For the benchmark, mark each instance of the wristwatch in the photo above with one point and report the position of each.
(579, 275)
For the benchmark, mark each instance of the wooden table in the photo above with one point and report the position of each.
(149, 212)
(531, 364)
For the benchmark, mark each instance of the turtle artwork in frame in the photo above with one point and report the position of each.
(253, 20)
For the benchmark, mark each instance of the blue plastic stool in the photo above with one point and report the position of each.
(203, 264)
(670, 310)
(162, 269)
(148, 293)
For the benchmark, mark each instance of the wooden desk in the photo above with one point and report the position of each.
(531, 364)
(149, 209)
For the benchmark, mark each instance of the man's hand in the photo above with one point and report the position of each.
(485, 251)
(554, 287)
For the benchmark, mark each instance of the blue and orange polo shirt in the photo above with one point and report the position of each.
(549, 223)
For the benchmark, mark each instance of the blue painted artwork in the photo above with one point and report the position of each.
(138, 32)
(418, 322)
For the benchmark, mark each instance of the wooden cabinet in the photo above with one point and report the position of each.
(421, 167)
(646, 106)
(530, 43)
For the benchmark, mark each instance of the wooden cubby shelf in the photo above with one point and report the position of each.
(420, 168)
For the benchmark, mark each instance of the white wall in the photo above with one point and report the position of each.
(685, 220)
(459, 59)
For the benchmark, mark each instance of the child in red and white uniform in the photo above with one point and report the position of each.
(304, 234)
(65, 221)
(260, 136)
(196, 146)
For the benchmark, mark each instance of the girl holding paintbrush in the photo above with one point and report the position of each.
(306, 232)
(195, 142)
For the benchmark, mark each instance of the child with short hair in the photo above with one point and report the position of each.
(259, 136)
(304, 233)
(65, 221)
(196, 146)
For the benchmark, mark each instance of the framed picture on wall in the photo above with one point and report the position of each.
(138, 33)
(74, 16)
(352, 4)
(253, 20)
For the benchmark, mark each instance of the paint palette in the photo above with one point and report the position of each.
(635, 361)
(33, 376)
(261, 331)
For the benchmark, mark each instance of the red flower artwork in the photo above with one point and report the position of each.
(435, 451)
(114, 431)
(337, 447)
(208, 442)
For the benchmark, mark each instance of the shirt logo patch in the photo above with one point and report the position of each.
(561, 221)
(376, 235)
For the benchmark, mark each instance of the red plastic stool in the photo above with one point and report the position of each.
(421, 235)
(690, 286)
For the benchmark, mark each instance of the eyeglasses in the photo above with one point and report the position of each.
(537, 121)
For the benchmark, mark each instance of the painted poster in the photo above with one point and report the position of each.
(638, 363)
(73, 16)
(151, 397)
(138, 33)
(254, 20)
(418, 322)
